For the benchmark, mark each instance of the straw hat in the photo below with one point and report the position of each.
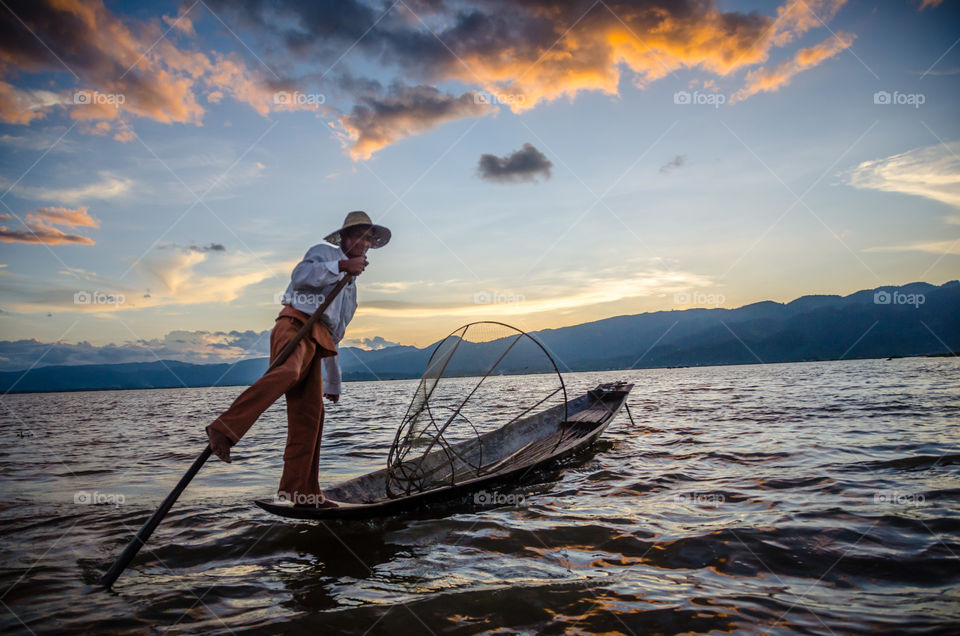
(379, 235)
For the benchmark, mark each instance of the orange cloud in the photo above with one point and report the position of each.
(650, 42)
(124, 69)
(796, 17)
(518, 54)
(181, 23)
(76, 217)
(571, 53)
(769, 80)
(38, 226)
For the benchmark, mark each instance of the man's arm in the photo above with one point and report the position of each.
(319, 268)
(332, 376)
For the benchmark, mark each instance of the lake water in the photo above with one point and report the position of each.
(812, 498)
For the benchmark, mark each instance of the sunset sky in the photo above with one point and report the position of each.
(539, 163)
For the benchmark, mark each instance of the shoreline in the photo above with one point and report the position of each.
(395, 379)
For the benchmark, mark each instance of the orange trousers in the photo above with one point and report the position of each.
(300, 379)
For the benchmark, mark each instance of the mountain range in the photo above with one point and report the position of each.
(909, 320)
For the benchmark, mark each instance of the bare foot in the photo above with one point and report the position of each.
(219, 444)
(318, 506)
(328, 503)
(323, 503)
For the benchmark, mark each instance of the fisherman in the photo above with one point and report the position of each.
(300, 377)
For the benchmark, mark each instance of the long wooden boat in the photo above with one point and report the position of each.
(509, 454)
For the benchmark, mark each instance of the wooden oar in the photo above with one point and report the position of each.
(141, 539)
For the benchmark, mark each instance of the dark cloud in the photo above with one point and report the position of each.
(334, 19)
(523, 165)
(203, 249)
(210, 247)
(673, 164)
(357, 86)
(376, 122)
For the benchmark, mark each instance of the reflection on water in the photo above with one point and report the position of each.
(816, 497)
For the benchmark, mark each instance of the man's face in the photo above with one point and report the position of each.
(356, 241)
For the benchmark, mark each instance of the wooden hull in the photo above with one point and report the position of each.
(514, 451)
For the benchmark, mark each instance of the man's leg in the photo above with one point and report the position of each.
(304, 430)
(233, 423)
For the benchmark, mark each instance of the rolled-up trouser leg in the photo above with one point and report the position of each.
(250, 405)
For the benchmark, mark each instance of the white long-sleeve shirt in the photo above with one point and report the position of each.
(312, 279)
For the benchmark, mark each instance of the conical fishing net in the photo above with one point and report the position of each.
(478, 380)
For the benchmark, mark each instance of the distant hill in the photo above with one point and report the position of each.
(867, 324)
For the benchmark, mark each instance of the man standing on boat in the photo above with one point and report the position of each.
(300, 377)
